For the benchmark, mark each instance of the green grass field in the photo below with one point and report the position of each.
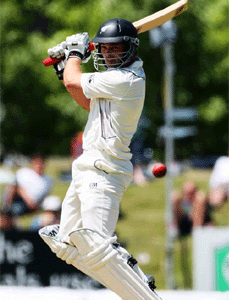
(142, 227)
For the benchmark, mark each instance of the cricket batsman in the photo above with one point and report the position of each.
(114, 98)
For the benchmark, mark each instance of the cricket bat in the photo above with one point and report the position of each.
(144, 24)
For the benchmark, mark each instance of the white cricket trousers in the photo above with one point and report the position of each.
(93, 198)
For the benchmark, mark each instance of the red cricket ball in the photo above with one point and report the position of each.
(159, 170)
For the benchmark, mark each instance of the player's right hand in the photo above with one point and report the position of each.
(59, 52)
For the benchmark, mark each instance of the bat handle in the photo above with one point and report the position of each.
(51, 61)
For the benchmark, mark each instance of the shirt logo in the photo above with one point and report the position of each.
(91, 78)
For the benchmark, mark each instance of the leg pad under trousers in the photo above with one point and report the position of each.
(104, 261)
(66, 252)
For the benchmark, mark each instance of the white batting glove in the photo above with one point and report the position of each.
(77, 46)
(59, 52)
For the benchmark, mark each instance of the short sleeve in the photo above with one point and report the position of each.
(108, 85)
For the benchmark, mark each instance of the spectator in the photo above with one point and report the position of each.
(191, 208)
(51, 207)
(30, 188)
(219, 182)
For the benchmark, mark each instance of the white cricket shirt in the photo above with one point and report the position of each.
(117, 98)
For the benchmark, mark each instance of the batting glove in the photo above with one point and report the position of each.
(86, 57)
(59, 52)
(77, 46)
(59, 68)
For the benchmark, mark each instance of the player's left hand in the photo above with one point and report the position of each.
(78, 45)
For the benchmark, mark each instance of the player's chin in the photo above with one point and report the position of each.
(112, 62)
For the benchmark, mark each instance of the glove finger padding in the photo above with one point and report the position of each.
(77, 45)
(58, 51)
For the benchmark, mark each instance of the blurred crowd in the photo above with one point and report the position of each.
(194, 207)
(27, 203)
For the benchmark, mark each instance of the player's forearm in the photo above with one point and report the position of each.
(73, 73)
(72, 82)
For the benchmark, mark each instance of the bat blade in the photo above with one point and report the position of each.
(161, 16)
